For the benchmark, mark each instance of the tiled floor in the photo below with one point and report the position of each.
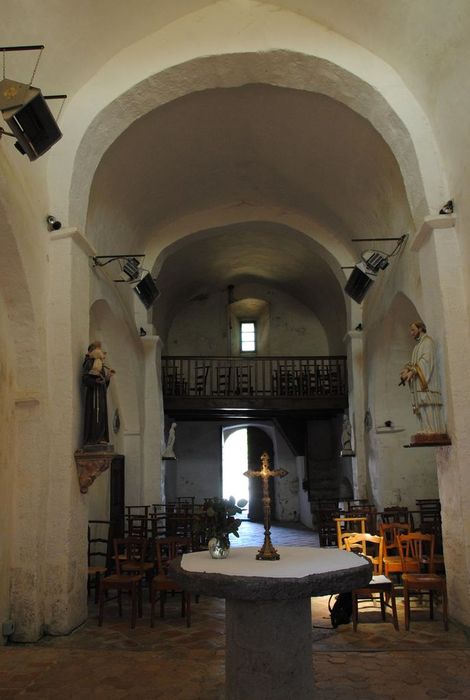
(176, 663)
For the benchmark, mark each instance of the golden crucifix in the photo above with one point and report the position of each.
(267, 551)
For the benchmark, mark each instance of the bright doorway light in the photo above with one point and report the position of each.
(234, 463)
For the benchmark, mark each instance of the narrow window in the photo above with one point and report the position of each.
(247, 336)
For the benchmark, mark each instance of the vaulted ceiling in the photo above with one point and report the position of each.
(253, 146)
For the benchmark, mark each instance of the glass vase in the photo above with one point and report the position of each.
(218, 547)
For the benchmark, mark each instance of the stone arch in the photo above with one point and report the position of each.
(326, 243)
(132, 85)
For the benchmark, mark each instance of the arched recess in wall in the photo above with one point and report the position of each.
(398, 476)
(123, 357)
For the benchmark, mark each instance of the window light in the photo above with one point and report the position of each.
(248, 336)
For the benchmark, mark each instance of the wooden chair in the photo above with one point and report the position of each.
(392, 560)
(130, 563)
(99, 533)
(200, 380)
(417, 553)
(126, 549)
(372, 548)
(243, 380)
(167, 549)
(137, 526)
(223, 381)
(368, 511)
(180, 522)
(346, 526)
(396, 514)
(325, 519)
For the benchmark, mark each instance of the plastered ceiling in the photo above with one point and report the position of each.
(253, 146)
(256, 145)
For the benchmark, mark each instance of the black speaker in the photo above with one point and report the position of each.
(31, 121)
(358, 283)
(147, 291)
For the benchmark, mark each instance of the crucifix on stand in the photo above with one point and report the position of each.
(267, 551)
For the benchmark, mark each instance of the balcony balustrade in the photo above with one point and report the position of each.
(236, 378)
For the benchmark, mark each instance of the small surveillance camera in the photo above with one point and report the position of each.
(53, 223)
(448, 208)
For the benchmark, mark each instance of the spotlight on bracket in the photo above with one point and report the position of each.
(372, 261)
(147, 291)
(25, 110)
(131, 268)
(53, 224)
(132, 273)
(364, 274)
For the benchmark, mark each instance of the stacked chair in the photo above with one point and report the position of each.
(154, 536)
(129, 559)
(99, 539)
(167, 549)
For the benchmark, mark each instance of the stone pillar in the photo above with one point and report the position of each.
(152, 425)
(445, 312)
(355, 350)
(65, 520)
(29, 508)
(270, 644)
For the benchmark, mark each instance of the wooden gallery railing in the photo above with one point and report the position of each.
(257, 377)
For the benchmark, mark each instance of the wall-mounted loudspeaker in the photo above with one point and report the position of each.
(364, 274)
(31, 122)
(147, 291)
(359, 282)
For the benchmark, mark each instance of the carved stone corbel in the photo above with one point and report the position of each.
(90, 465)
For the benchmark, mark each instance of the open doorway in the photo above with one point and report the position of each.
(242, 450)
(234, 464)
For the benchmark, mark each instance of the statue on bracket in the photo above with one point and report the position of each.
(96, 376)
(422, 377)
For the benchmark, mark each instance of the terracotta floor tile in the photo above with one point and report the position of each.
(173, 662)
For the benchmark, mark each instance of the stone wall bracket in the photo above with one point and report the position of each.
(91, 463)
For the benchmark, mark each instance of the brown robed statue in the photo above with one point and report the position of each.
(267, 551)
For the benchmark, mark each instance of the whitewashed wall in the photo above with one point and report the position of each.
(201, 327)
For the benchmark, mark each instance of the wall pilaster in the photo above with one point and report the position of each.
(152, 427)
(446, 316)
(355, 353)
(67, 512)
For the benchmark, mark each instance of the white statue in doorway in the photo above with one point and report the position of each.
(346, 444)
(169, 452)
